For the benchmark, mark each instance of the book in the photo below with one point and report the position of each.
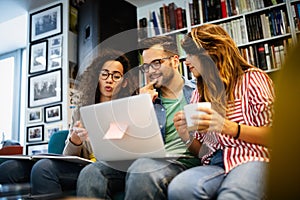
(162, 19)
(36, 157)
(277, 57)
(142, 32)
(191, 11)
(184, 22)
(178, 18)
(167, 17)
(223, 8)
(156, 24)
(268, 56)
(172, 7)
(262, 57)
(196, 12)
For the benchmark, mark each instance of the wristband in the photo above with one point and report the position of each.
(238, 132)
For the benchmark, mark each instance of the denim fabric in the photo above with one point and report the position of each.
(54, 176)
(146, 179)
(15, 171)
(100, 180)
(149, 178)
(246, 181)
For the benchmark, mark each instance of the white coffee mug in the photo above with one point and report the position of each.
(191, 110)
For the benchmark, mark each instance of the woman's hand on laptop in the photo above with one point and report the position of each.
(78, 133)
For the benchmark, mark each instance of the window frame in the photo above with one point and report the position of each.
(16, 110)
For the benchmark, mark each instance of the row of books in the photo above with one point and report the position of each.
(168, 18)
(208, 10)
(296, 15)
(236, 29)
(172, 17)
(266, 56)
(266, 25)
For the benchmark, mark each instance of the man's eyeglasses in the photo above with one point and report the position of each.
(155, 64)
(115, 76)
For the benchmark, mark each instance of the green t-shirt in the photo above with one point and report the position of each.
(173, 142)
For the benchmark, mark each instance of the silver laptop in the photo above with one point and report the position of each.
(124, 129)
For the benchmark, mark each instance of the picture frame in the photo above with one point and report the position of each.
(45, 88)
(38, 57)
(56, 41)
(33, 149)
(35, 115)
(51, 129)
(55, 52)
(46, 22)
(35, 133)
(53, 113)
(55, 63)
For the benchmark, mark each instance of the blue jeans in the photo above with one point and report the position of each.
(54, 176)
(15, 171)
(100, 180)
(146, 179)
(246, 181)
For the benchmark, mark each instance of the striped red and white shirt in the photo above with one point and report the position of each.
(253, 106)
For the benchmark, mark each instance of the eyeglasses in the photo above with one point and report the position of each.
(115, 76)
(155, 64)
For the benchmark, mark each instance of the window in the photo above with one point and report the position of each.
(10, 93)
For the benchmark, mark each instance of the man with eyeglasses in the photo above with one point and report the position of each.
(148, 178)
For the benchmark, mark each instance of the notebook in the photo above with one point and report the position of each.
(124, 129)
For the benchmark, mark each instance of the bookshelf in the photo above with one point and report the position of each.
(268, 27)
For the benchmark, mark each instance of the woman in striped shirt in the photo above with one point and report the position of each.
(232, 136)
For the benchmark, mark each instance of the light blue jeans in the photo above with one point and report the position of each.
(146, 179)
(246, 181)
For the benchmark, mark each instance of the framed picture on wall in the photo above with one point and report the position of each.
(44, 88)
(46, 22)
(54, 63)
(38, 56)
(52, 128)
(53, 113)
(33, 149)
(35, 115)
(55, 41)
(55, 52)
(35, 133)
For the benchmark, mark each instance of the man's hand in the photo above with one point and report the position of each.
(149, 89)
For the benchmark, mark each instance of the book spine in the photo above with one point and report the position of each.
(191, 10)
(168, 25)
(251, 52)
(277, 57)
(268, 57)
(196, 12)
(262, 57)
(162, 18)
(229, 11)
(155, 23)
(223, 8)
(179, 17)
(172, 16)
(282, 54)
(184, 22)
